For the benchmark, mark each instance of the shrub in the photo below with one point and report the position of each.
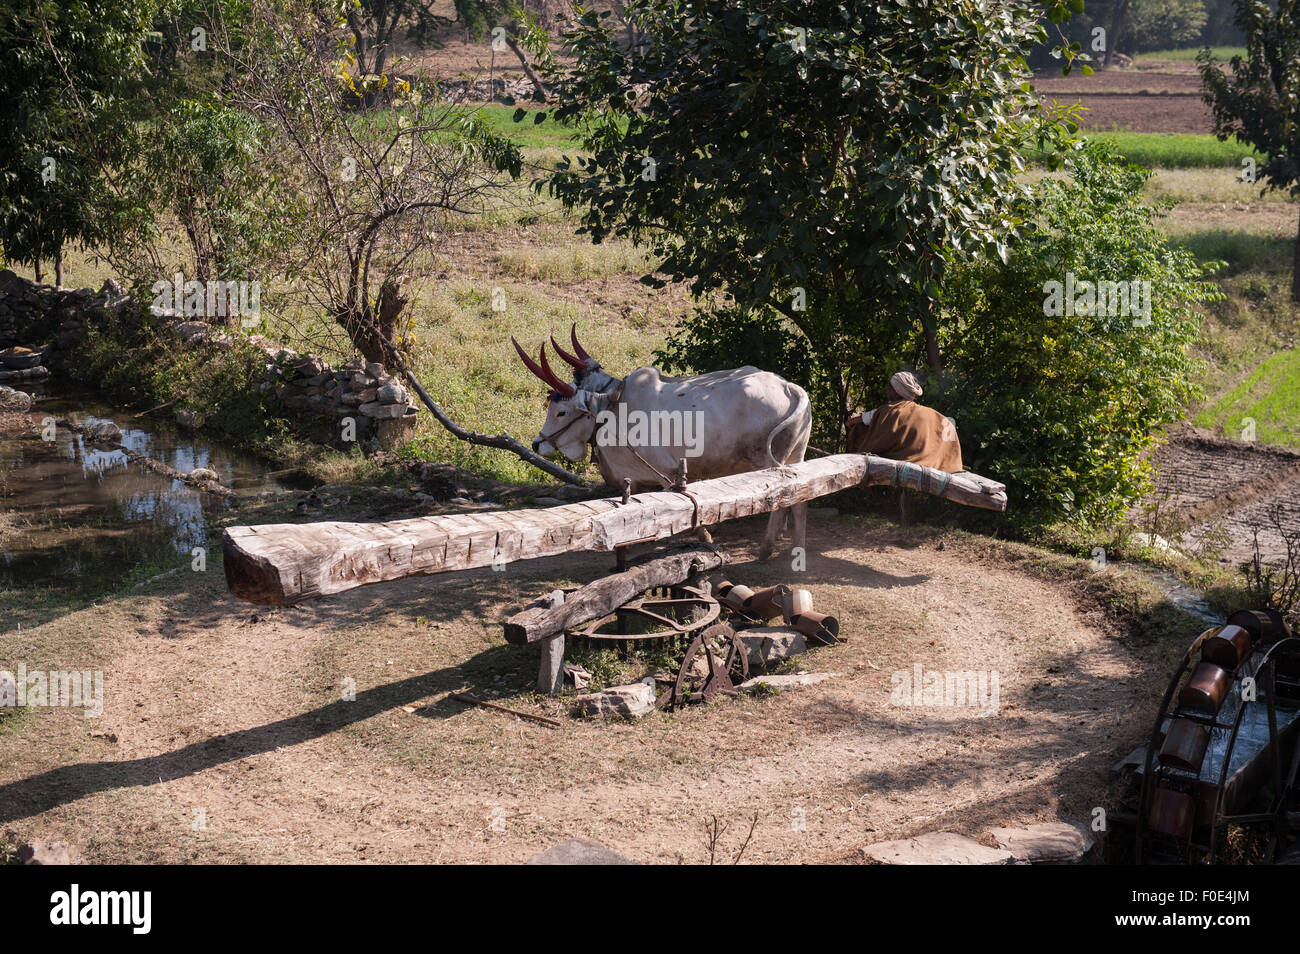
(1062, 408)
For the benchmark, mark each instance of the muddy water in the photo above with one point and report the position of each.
(83, 521)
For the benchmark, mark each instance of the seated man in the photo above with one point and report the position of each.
(905, 430)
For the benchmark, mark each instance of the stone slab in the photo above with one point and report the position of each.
(1045, 843)
(936, 848)
(579, 851)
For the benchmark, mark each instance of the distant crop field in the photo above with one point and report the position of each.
(528, 133)
(1177, 150)
(1269, 396)
(1187, 55)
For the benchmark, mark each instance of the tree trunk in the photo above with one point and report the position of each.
(1295, 269)
(932, 351)
(528, 70)
(368, 336)
(40, 274)
(58, 269)
(1119, 13)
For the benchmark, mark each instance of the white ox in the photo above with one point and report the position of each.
(642, 426)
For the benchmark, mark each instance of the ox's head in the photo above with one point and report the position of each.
(587, 373)
(570, 412)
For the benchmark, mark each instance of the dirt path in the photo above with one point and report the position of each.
(232, 742)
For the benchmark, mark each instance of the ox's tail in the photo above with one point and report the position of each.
(800, 407)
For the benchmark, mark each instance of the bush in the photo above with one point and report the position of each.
(1062, 408)
(135, 361)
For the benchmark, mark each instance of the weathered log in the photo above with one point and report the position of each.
(279, 564)
(601, 597)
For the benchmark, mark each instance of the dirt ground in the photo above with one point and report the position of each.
(1163, 97)
(1235, 484)
(224, 737)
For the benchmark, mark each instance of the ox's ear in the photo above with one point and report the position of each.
(592, 402)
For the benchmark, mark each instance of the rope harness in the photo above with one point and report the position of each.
(677, 484)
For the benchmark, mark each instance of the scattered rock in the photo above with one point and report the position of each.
(49, 853)
(629, 702)
(12, 400)
(579, 851)
(308, 366)
(104, 432)
(391, 394)
(376, 410)
(576, 676)
(8, 689)
(788, 681)
(1151, 541)
(549, 501)
(192, 331)
(936, 848)
(771, 644)
(1047, 843)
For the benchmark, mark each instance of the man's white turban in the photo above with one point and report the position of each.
(905, 383)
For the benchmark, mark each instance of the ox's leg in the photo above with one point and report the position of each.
(775, 527)
(800, 530)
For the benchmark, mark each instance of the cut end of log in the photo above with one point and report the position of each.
(250, 577)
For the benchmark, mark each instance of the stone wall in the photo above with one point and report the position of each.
(318, 399)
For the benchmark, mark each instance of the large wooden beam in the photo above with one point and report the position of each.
(279, 564)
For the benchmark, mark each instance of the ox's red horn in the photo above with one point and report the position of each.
(529, 363)
(577, 348)
(576, 362)
(562, 387)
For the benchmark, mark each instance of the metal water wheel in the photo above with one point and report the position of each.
(661, 618)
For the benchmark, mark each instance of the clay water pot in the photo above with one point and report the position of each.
(1172, 813)
(1228, 647)
(1206, 689)
(1185, 745)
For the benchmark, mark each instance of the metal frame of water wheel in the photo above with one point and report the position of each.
(644, 607)
(1279, 819)
(718, 681)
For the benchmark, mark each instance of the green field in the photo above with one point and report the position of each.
(1174, 150)
(1177, 150)
(1188, 54)
(1269, 396)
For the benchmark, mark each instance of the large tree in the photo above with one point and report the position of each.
(362, 199)
(70, 77)
(1257, 99)
(826, 162)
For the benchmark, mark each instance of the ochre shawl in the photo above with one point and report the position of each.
(905, 430)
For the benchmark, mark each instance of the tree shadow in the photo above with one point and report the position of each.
(68, 783)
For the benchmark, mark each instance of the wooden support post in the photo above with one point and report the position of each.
(550, 677)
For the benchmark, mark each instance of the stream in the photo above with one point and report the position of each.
(83, 520)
